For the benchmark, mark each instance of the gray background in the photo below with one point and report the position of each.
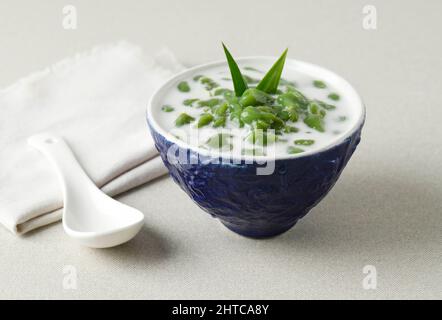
(384, 211)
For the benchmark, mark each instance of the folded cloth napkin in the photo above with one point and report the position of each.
(97, 102)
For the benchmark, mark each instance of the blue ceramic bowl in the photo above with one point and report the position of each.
(258, 205)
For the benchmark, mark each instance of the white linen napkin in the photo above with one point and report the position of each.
(96, 101)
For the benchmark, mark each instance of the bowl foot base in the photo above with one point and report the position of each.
(258, 232)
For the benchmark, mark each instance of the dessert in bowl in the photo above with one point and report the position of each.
(257, 155)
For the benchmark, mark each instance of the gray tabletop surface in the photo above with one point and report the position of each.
(384, 212)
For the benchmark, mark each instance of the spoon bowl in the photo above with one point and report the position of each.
(90, 216)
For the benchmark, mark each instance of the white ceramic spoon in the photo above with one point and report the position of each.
(89, 216)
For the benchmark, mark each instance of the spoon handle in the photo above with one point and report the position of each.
(70, 173)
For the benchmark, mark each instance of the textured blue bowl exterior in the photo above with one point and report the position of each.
(259, 205)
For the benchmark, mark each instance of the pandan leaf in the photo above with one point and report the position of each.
(270, 81)
(239, 82)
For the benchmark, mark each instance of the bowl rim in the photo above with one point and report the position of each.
(156, 127)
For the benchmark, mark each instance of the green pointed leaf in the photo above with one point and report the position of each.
(270, 81)
(239, 83)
